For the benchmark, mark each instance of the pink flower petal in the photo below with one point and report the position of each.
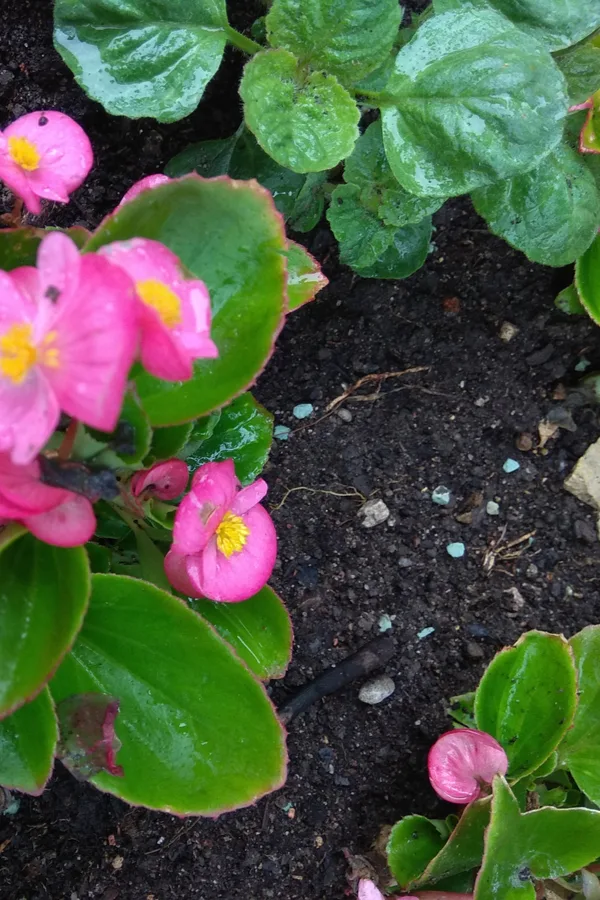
(27, 280)
(29, 414)
(461, 761)
(69, 525)
(249, 496)
(58, 265)
(161, 353)
(368, 890)
(199, 514)
(142, 185)
(165, 480)
(241, 575)
(176, 572)
(88, 742)
(22, 492)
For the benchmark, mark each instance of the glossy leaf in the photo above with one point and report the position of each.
(362, 236)
(43, 598)
(27, 744)
(580, 750)
(228, 234)
(477, 100)
(142, 58)
(405, 255)
(206, 158)
(198, 732)
(526, 699)
(306, 121)
(581, 67)
(310, 203)
(259, 630)
(347, 38)
(305, 278)
(587, 279)
(545, 843)
(244, 433)
(462, 709)
(413, 843)
(168, 442)
(557, 24)
(151, 561)
(19, 246)
(463, 850)
(568, 301)
(550, 213)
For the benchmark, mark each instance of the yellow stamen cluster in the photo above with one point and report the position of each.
(162, 299)
(24, 153)
(232, 534)
(18, 353)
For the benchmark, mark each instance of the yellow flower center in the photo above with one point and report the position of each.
(232, 534)
(24, 153)
(162, 299)
(18, 353)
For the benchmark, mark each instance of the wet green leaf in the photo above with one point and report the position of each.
(587, 279)
(478, 100)
(133, 432)
(526, 699)
(550, 213)
(581, 67)
(362, 236)
(43, 600)
(168, 442)
(414, 841)
(405, 255)
(347, 38)
(568, 301)
(229, 235)
(27, 744)
(244, 433)
(207, 158)
(198, 733)
(151, 561)
(259, 630)
(463, 850)
(305, 120)
(19, 246)
(310, 203)
(462, 709)
(142, 58)
(580, 750)
(305, 278)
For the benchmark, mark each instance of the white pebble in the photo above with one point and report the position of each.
(373, 513)
(377, 690)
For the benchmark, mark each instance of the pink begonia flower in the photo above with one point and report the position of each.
(144, 184)
(165, 480)
(224, 542)
(368, 890)
(44, 154)
(53, 515)
(462, 761)
(174, 312)
(67, 341)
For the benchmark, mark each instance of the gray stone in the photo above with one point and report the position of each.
(374, 512)
(377, 690)
(474, 650)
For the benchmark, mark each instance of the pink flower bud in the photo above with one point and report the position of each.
(463, 760)
(165, 480)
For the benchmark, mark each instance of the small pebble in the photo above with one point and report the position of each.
(511, 465)
(508, 331)
(281, 432)
(456, 549)
(373, 513)
(385, 623)
(584, 531)
(302, 410)
(582, 365)
(405, 562)
(425, 632)
(492, 508)
(532, 571)
(524, 442)
(474, 650)
(377, 690)
(344, 414)
(441, 495)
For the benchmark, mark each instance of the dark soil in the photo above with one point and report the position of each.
(352, 767)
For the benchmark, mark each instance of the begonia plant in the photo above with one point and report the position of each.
(523, 767)
(137, 625)
(470, 97)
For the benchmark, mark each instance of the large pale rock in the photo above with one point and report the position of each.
(584, 480)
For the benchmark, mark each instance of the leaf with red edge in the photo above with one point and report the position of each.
(43, 599)
(27, 745)
(305, 278)
(19, 246)
(229, 234)
(88, 743)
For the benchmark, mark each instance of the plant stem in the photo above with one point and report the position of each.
(66, 447)
(246, 44)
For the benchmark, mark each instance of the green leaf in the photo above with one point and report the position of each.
(587, 279)
(546, 843)
(462, 709)
(98, 556)
(463, 850)
(206, 158)
(19, 246)
(142, 58)
(168, 442)
(244, 433)
(381, 193)
(229, 235)
(309, 204)
(362, 236)
(580, 749)
(305, 120)
(568, 301)
(551, 213)
(526, 699)
(132, 431)
(556, 24)
(406, 254)
(152, 561)
(413, 843)
(581, 67)
(347, 38)
(475, 100)
(43, 601)
(259, 630)
(199, 735)
(27, 744)
(305, 278)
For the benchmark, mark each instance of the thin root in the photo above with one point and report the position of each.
(353, 493)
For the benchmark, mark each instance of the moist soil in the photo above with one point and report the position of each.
(353, 767)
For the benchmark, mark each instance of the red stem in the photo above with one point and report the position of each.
(66, 447)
